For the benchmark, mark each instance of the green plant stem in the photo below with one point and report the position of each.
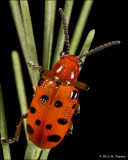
(47, 32)
(29, 35)
(3, 128)
(18, 20)
(50, 11)
(52, 28)
(31, 151)
(80, 25)
(29, 30)
(20, 85)
(87, 43)
(45, 154)
(61, 38)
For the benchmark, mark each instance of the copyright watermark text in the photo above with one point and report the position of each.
(107, 156)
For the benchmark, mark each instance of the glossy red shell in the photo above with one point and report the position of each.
(49, 117)
(67, 68)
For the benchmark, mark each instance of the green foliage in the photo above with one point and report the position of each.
(22, 19)
(3, 128)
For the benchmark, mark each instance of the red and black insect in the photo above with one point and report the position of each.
(55, 101)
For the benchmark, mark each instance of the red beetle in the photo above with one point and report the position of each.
(49, 117)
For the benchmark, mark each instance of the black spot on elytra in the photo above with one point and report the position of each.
(48, 126)
(58, 84)
(62, 121)
(54, 138)
(38, 122)
(74, 105)
(30, 129)
(32, 110)
(58, 104)
(40, 81)
(44, 98)
(74, 95)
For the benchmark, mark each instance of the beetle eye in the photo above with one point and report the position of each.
(80, 63)
(63, 53)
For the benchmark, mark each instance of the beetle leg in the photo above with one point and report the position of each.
(39, 68)
(77, 109)
(70, 129)
(41, 71)
(17, 133)
(81, 85)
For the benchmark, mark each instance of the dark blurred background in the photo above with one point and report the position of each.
(101, 128)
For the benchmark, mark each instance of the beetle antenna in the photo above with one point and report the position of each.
(65, 30)
(101, 47)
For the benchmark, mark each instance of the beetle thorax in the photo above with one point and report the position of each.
(67, 68)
